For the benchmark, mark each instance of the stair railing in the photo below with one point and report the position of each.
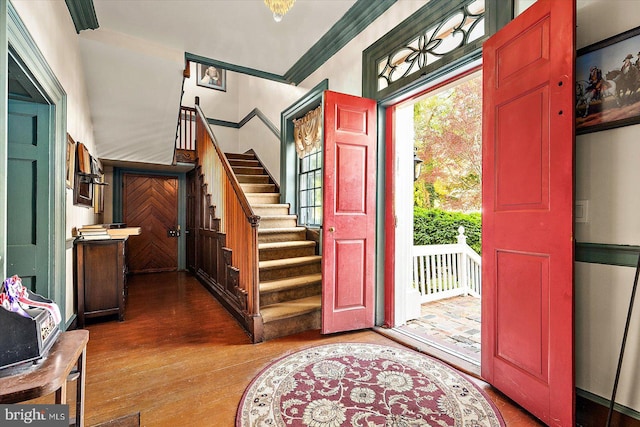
(237, 220)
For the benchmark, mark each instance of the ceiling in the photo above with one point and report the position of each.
(133, 62)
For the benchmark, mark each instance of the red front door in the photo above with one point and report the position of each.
(348, 245)
(527, 254)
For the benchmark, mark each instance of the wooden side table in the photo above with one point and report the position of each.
(52, 374)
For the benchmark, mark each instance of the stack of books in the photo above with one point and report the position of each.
(123, 232)
(93, 232)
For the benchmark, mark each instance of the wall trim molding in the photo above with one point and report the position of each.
(83, 14)
(601, 401)
(253, 113)
(608, 254)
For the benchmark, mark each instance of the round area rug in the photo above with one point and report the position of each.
(364, 385)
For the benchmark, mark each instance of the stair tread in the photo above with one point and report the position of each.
(277, 263)
(291, 282)
(270, 205)
(283, 310)
(287, 244)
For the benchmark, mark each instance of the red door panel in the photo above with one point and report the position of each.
(348, 245)
(527, 254)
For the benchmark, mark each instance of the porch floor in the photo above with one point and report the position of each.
(452, 324)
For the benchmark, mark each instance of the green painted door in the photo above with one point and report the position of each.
(28, 194)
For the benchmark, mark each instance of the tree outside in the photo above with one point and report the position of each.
(448, 132)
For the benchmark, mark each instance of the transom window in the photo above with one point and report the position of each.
(310, 189)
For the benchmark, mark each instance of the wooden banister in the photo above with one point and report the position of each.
(237, 219)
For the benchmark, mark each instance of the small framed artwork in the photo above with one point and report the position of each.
(211, 77)
(608, 83)
(70, 162)
(82, 187)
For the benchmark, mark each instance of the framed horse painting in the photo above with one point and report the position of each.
(608, 83)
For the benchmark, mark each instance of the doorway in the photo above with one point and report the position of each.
(438, 265)
(29, 133)
(151, 202)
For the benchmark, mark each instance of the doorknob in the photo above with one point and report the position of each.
(331, 229)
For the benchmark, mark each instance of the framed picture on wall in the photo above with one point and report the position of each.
(211, 77)
(608, 83)
(82, 187)
(70, 162)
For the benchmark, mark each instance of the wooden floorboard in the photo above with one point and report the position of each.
(180, 359)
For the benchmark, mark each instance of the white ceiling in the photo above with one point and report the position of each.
(133, 62)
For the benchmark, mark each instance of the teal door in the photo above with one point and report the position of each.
(28, 252)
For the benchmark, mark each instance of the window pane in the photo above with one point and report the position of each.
(318, 198)
(318, 215)
(303, 182)
(305, 164)
(318, 179)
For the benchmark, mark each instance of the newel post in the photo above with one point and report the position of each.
(463, 272)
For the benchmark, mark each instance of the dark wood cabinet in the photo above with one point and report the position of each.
(100, 278)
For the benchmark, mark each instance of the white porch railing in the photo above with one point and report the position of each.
(443, 271)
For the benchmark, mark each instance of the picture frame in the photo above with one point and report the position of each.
(70, 162)
(82, 186)
(608, 83)
(211, 77)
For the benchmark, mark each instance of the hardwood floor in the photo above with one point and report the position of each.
(181, 360)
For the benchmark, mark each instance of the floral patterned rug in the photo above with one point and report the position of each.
(366, 385)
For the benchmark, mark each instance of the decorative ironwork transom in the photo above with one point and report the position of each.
(456, 29)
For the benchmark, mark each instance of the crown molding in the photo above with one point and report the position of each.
(83, 14)
(357, 18)
(192, 57)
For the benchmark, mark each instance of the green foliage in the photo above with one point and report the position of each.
(438, 227)
(448, 138)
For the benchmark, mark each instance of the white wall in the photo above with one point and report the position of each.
(607, 175)
(51, 27)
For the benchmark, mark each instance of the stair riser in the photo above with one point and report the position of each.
(281, 253)
(271, 210)
(258, 188)
(263, 198)
(253, 179)
(248, 171)
(289, 271)
(302, 291)
(292, 325)
(266, 222)
(281, 237)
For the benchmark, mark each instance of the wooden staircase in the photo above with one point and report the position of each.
(289, 267)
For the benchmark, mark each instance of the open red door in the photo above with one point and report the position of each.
(527, 254)
(349, 203)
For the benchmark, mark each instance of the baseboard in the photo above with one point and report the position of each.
(592, 411)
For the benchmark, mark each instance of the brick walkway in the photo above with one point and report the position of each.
(452, 323)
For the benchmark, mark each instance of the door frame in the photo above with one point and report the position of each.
(118, 211)
(387, 314)
(15, 34)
